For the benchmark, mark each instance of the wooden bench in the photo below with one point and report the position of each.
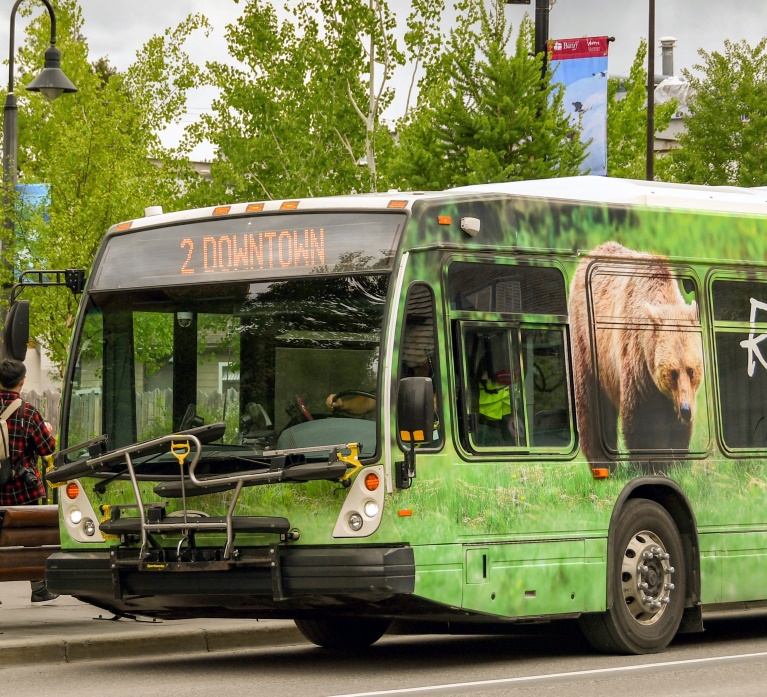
(28, 535)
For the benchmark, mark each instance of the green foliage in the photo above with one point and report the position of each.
(726, 132)
(91, 148)
(302, 110)
(423, 42)
(627, 121)
(484, 115)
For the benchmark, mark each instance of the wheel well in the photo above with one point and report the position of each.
(668, 494)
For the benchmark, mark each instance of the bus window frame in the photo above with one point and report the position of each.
(509, 328)
(680, 271)
(525, 321)
(728, 274)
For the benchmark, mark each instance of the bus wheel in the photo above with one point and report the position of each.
(343, 632)
(648, 584)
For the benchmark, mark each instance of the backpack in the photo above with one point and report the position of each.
(6, 466)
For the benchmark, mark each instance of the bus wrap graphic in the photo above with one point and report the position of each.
(753, 341)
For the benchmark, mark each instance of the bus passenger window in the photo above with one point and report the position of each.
(495, 389)
(740, 315)
(549, 406)
(516, 388)
(646, 331)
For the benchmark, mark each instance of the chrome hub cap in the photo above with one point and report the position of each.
(646, 577)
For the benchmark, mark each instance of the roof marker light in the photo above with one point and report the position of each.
(124, 226)
(221, 210)
(397, 204)
(254, 208)
(289, 205)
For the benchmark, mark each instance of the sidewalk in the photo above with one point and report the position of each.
(67, 630)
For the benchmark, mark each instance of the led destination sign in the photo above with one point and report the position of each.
(226, 249)
(249, 251)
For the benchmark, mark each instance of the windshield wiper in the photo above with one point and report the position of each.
(101, 461)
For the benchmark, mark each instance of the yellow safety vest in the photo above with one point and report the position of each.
(494, 400)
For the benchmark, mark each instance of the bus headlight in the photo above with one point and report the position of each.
(363, 509)
(355, 521)
(82, 522)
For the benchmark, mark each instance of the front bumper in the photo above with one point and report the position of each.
(277, 581)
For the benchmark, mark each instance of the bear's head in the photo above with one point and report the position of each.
(674, 354)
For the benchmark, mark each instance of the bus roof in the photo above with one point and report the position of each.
(633, 192)
(587, 189)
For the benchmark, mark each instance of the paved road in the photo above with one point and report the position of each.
(68, 648)
(67, 630)
(729, 659)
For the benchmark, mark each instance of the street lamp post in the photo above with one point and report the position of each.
(542, 10)
(51, 82)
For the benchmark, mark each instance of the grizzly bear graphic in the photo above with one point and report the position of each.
(649, 355)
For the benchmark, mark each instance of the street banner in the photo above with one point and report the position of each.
(580, 66)
(33, 200)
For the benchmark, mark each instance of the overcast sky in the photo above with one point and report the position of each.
(118, 28)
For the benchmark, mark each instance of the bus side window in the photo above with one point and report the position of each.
(647, 364)
(546, 387)
(516, 387)
(418, 344)
(511, 357)
(494, 388)
(740, 314)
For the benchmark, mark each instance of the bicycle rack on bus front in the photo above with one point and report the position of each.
(151, 518)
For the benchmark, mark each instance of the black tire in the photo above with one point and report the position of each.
(343, 632)
(648, 588)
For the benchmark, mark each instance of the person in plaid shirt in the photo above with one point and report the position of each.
(29, 436)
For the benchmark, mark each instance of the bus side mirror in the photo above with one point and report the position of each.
(415, 423)
(16, 331)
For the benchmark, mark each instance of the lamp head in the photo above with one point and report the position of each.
(51, 81)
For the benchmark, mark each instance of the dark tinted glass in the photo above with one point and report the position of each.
(510, 289)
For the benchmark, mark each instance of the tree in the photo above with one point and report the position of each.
(91, 149)
(484, 115)
(300, 116)
(725, 141)
(627, 121)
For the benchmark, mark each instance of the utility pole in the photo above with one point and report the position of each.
(651, 94)
(542, 10)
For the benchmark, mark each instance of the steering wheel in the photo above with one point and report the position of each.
(539, 379)
(351, 393)
(297, 410)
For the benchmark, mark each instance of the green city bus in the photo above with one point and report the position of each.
(515, 402)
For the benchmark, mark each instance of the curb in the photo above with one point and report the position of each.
(142, 643)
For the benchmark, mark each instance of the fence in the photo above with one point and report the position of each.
(153, 409)
(47, 404)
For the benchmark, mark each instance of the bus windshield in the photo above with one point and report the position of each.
(263, 357)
